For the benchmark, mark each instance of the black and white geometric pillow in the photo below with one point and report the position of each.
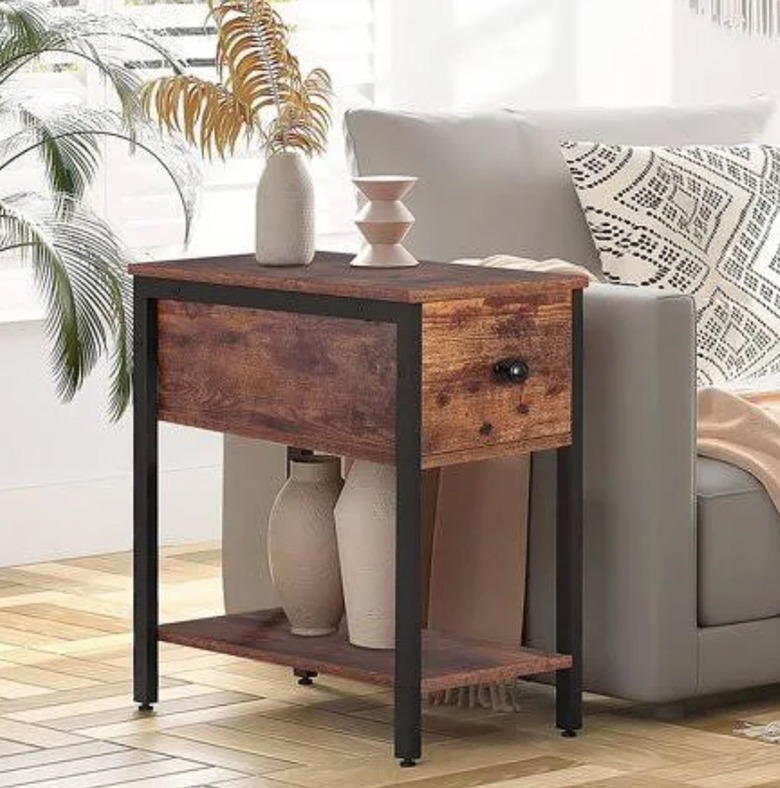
(699, 220)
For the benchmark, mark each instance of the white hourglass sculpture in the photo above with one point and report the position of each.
(384, 221)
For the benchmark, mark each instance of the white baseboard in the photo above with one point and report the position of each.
(53, 521)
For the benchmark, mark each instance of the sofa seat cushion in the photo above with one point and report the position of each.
(738, 544)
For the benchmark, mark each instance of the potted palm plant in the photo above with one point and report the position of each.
(77, 259)
(261, 95)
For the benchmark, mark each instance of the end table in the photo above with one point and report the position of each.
(416, 368)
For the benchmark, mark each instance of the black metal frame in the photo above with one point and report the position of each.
(408, 427)
(568, 553)
(146, 677)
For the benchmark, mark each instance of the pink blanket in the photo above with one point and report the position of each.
(740, 424)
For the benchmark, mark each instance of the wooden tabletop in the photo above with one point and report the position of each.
(331, 275)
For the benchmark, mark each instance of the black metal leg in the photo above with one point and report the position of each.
(145, 504)
(295, 454)
(569, 548)
(408, 620)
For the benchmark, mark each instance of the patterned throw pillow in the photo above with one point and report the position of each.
(699, 220)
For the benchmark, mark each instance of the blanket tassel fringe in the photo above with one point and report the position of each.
(503, 697)
(769, 733)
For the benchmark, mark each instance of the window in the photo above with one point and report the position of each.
(137, 196)
(337, 35)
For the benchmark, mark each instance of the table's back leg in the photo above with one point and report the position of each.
(569, 546)
(305, 677)
(145, 502)
(408, 614)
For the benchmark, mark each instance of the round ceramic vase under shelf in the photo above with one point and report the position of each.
(365, 529)
(284, 223)
(384, 221)
(302, 550)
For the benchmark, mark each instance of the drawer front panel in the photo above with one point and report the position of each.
(496, 372)
(326, 383)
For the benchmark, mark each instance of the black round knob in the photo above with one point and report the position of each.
(511, 370)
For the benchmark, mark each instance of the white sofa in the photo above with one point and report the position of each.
(681, 556)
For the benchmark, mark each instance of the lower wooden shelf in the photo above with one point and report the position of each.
(447, 661)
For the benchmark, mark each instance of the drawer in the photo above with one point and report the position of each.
(326, 383)
(469, 409)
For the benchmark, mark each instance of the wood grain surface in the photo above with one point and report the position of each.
(447, 661)
(467, 412)
(330, 274)
(323, 382)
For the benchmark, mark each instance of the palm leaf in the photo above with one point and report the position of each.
(79, 268)
(263, 74)
(22, 24)
(207, 114)
(29, 30)
(77, 260)
(261, 89)
(72, 135)
(70, 161)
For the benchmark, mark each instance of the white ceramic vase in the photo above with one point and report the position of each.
(302, 551)
(384, 221)
(365, 528)
(284, 227)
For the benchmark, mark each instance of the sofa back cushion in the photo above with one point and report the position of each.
(496, 183)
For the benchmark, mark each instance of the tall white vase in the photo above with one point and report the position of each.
(365, 528)
(302, 551)
(284, 228)
(384, 221)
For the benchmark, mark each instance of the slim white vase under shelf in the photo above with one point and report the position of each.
(302, 551)
(365, 530)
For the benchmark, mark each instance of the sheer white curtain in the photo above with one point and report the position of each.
(752, 16)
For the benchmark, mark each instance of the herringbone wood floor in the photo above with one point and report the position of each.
(66, 718)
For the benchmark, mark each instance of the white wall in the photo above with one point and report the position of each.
(461, 55)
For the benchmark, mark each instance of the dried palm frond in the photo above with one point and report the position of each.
(207, 114)
(261, 90)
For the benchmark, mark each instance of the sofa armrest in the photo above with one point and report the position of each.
(640, 533)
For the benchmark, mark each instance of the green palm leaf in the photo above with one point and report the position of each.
(30, 30)
(79, 267)
(66, 140)
(77, 260)
(70, 162)
(22, 24)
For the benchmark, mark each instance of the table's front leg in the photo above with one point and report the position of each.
(408, 614)
(145, 501)
(568, 591)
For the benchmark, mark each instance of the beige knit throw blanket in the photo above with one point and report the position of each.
(740, 424)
